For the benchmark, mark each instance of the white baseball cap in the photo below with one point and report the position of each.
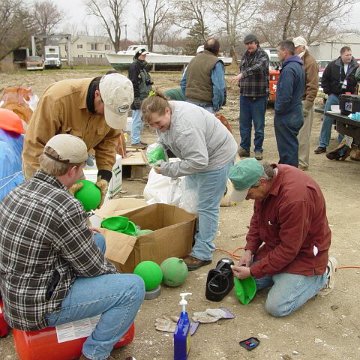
(299, 41)
(66, 148)
(117, 93)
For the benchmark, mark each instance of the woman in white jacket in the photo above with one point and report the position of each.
(206, 150)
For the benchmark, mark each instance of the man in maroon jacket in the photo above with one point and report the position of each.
(289, 237)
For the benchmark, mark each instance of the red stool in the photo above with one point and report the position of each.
(4, 327)
(43, 344)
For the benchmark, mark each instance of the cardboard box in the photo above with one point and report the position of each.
(173, 233)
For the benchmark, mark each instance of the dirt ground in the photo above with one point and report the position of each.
(325, 328)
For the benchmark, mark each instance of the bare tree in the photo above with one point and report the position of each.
(110, 14)
(46, 16)
(155, 12)
(234, 15)
(192, 14)
(315, 20)
(16, 26)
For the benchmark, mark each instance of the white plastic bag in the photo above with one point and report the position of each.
(162, 189)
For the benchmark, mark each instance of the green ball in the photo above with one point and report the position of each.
(174, 271)
(151, 273)
(89, 195)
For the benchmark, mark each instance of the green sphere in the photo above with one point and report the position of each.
(89, 195)
(151, 273)
(174, 271)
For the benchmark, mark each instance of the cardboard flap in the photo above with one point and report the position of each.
(117, 207)
(118, 248)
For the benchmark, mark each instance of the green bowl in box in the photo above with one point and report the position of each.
(115, 223)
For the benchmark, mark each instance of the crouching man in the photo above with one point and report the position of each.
(289, 236)
(52, 266)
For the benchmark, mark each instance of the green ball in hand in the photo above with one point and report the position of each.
(89, 195)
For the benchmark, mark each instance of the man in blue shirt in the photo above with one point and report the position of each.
(203, 82)
(289, 115)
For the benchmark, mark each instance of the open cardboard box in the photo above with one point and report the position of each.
(173, 233)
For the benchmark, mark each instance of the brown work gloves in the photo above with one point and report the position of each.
(103, 186)
(75, 187)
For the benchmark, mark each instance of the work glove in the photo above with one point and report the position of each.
(307, 106)
(212, 315)
(75, 187)
(137, 103)
(168, 324)
(103, 185)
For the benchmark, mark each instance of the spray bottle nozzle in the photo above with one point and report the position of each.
(183, 301)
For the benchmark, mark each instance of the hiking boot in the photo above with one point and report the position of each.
(303, 167)
(320, 150)
(258, 155)
(243, 153)
(330, 274)
(340, 153)
(139, 146)
(194, 263)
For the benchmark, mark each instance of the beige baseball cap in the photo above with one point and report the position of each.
(117, 93)
(66, 148)
(299, 41)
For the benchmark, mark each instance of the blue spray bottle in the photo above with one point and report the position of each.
(182, 332)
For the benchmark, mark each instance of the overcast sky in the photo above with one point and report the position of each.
(75, 13)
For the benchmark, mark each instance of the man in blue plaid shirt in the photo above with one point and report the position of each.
(253, 81)
(52, 265)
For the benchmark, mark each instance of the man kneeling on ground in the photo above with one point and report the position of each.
(289, 236)
(52, 266)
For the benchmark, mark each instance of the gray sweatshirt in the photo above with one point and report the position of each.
(198, 138)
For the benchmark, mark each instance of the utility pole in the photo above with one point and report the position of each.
(125, 36)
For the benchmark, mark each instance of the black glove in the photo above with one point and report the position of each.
(137, 104)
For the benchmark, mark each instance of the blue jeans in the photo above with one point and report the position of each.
(205, 106)
(287, 128)
(289, 291)
(327, 124)
(210, 187)
(117, 297)
(252, 110)
(136, 127)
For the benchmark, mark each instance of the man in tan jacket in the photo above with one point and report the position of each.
(95, 110)
(311, 89)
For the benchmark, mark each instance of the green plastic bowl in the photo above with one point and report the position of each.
(131, 229)
(89, 195)
(115, 223)
(245, 289)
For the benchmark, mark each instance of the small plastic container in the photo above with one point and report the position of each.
(43, 344)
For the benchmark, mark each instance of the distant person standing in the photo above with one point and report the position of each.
(288, 106)
(338, 78)
(203, 82)
(253, 81)
(141, 80)
(311, 88)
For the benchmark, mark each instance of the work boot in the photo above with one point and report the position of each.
(320, 150)
(243, 153)
(194, 263)
(258, 155)
(139, 146)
